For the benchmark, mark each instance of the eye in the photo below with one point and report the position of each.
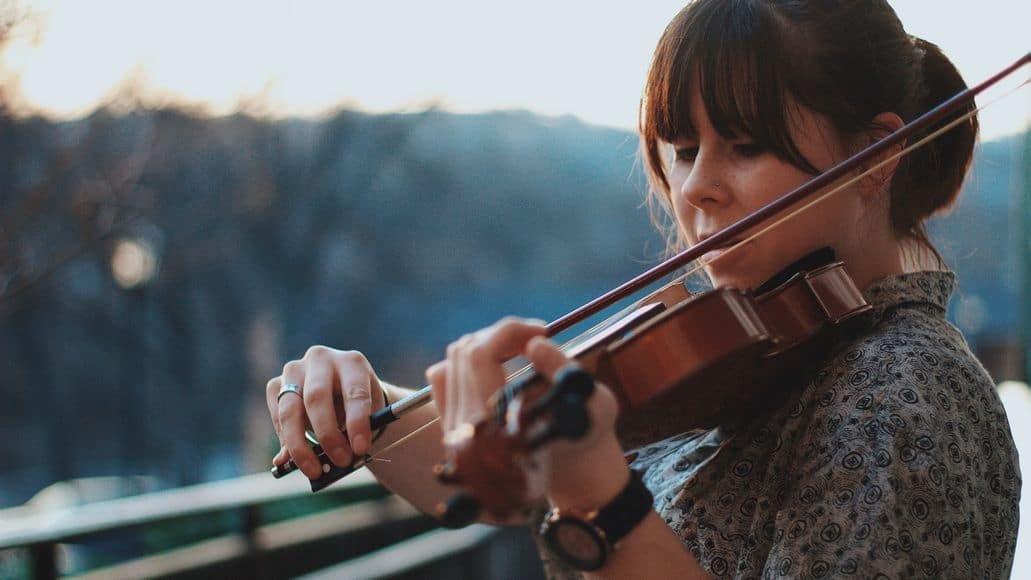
(686, 153)
(749, 150)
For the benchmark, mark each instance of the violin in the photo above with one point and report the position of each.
(670, 345)
(673, 346)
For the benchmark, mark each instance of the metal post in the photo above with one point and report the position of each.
(254, 564)
(44, 560)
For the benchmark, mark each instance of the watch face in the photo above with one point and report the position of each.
(578, 543)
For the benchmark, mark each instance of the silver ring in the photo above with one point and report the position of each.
(289, 388)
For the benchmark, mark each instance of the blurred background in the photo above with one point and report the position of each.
(192, 193)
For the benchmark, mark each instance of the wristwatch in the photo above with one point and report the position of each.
(584, 541)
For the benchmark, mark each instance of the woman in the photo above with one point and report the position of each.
(893, 456)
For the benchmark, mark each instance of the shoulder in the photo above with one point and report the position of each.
(902, 434)
(901, 457)
(895, 455)
(910, 357)
(912, 369)
(909, 385)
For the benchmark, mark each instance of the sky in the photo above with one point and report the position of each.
(294, 57)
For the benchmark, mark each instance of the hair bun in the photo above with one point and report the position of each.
(944, 161)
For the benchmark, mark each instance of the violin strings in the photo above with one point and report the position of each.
(511, 376)
(905, 151)
(564, 347)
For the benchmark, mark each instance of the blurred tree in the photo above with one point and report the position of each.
(389, 233)
(265, 238)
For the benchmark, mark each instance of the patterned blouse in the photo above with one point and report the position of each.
(894, 461)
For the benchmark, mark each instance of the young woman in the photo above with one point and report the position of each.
(892, 457)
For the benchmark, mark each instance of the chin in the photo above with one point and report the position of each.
(726, 279)
(743, 268)
(729, 272)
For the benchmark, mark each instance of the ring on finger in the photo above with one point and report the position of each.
(289, 388)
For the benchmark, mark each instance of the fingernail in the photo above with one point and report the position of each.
(340, 455)
(433, 368)
(534, 343)
(537, 321)
(359, 444)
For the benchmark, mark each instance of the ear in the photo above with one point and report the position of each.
(881, 126)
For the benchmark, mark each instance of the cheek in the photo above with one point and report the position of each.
(773, 182)
(681, 209)
(684, 214)
(675, 179)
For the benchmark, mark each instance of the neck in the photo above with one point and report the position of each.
(875, 260)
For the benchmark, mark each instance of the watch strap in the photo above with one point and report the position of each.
(626, 510)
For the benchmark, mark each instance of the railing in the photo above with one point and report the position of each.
(374, 535)
(370, 535)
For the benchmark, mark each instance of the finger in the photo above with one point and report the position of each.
(280, 457)
(508, 337)
(477, 375)
(356, 389)
(319, 384)
(602, 405)
(452, 386)
(547, 358)
(436, 376)
(484, 355)
(271, 399)
(293, 418)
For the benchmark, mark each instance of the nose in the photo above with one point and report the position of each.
(701, 187)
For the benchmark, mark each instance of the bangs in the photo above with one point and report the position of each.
(736, 53)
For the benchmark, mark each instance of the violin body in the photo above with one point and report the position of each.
(671, 343)
(738, 353)
(705, 358)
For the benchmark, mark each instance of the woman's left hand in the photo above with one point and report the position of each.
(472, 373)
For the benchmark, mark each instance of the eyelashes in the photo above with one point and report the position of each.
(686, 153)
(746, 150)
(749, 150)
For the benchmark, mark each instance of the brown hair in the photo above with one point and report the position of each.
(848, 60)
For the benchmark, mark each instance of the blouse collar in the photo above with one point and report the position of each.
(933, 288)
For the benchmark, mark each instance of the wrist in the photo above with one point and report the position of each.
(584, 541)
(589, 480)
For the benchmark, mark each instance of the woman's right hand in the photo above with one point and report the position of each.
(338, 388)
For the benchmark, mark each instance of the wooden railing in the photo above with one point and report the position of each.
(371, 534)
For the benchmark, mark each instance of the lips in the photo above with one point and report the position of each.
(704, 237)
(712, 255)
(709, 257)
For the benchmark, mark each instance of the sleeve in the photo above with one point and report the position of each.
(904, 471)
